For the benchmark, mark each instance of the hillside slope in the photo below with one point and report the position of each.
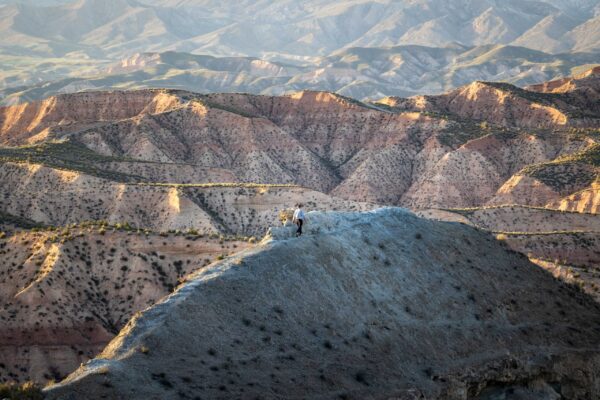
(355, 317)
(483, 143)
(566, 243)
(55, 197)
(65, 293)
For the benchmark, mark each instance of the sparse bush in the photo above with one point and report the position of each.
(25, 391)
(286, 215)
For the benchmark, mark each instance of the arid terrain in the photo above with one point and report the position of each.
(381, 305)
(109, 200)
(153, 153)
(481, 144)
(565, 243)
(67, 291)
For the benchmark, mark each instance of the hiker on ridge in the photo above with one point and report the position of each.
(298, 219)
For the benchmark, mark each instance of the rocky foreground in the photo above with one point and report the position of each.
(380, 304)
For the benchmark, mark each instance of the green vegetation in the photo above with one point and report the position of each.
(466, 211)
(25, 391)
(590, 156)
(583, 133)
(570, 171)
(461, 132)
(68, 232)
(66, 155)
(505, 234)
(19, 222)
(350, 100)
(547, 99)
(218, 106)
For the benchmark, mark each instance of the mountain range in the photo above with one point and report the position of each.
(447, 154)
(287, 28)
(362, 73)
(363, 49)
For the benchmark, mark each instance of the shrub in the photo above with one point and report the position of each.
(286, 215)
(26, 391)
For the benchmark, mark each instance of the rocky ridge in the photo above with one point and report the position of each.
(393, 152)
(251, 327)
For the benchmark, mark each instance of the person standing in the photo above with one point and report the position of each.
(298, 219)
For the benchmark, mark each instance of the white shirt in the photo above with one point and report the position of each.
(299, 214)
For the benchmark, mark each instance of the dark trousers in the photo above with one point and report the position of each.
(299, 223)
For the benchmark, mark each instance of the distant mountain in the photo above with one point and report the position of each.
(360, 48)
(363, 73)
(288, 28)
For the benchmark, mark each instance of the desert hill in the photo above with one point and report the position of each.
(398, 151)
(66, 291)
(155, 161)
(355, 317)
(55, 197)
(566, 243)
(574, 103)
(517, 218)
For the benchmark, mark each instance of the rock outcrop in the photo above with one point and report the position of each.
(364, 305)
(587, 200)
